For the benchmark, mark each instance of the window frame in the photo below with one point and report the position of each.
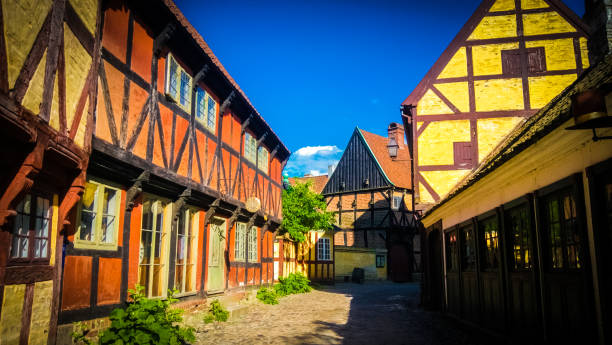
(451, 248)
(240, 242)
(204, 119)
(250, 156)
(165, 233)
(252, 247)
(192, 234)
(96, 244)
(179, 86)
(487, 250)
(393, 206)
(466, 266)
(32, 215)
(382, 258)
(525, 205)
(263, 164)
(324, 249)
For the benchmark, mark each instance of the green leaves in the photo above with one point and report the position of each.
(303, 211)
(216, 312)
(267, 296)
(292, 284)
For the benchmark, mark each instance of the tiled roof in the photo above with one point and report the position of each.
(318, 182)
(200, 41)
(397, 170)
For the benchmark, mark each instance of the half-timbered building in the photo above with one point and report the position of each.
(371, 192)
(510, 59)
(132, 158)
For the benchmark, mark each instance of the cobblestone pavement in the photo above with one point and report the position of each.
(372, 313)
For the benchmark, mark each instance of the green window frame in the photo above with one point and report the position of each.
(252, 240)
(185, 264)
(240, 242)
(153, 254)
(98, 216)
(178, 84)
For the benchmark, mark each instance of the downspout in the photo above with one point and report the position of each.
(406, 113)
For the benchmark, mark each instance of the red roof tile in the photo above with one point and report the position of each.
(318, 182)
(398, 169)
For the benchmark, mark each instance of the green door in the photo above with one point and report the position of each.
(216, 261)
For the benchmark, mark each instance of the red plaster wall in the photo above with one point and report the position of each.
(76, 289)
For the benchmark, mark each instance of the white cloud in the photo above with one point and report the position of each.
(312, 160)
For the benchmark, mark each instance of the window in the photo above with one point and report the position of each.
(511, 61)
(178, 84)
(31, 230)
(468, 249)
(489, 230)
(323, 249)
(397, 202)
(262, 159)
(450, 243)
(240, 242)
(206, 110)
(561, 228)
(250, 147)
(519, 227)
(380, 261)
(462, 153)
(152, 265)
(186, 249)
(98, 222)
(252, 239)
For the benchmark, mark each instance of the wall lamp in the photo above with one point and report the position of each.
(590, 111)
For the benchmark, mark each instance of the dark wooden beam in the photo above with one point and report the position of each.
(211, 211)
(263, 137)
(135, 190)
(226, 104)
(234, 217)
(245, 124)
(162, 38)
(180, 203)
(200, 75)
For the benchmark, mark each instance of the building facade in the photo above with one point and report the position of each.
(371, 192)
(509, 60)
(139, 161)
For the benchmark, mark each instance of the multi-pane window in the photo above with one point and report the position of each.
(240, 242)
(489, 230)
(178, 84)
(450, 245)
(262, 159)
(252, 240)
(323, 249)
(98, 217)
(186, 249)
(380, 261)
(519, 227)
(562, 230)
(250, 147)
(206, 110)
(397, 202)
(468, 249)
(152, 264)
(31, 230)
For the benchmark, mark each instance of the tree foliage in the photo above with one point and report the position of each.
(304, 211)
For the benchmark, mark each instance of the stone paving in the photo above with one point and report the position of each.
(372, 313)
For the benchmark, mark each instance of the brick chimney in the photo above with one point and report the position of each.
(396, 131)
(598, 16)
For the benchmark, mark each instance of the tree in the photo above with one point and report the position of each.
(304, 211)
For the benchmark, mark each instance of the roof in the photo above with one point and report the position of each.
(467, 29)
(548, 118)
(397, 170)
(318, 182)
(204, 46)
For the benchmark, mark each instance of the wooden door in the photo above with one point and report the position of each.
(399, 263)
(216, 260)
(435, 269)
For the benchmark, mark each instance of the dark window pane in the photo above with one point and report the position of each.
(489, 232)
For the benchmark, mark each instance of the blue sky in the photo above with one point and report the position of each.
(316, 69)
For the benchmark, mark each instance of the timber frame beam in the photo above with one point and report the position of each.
(136, 189)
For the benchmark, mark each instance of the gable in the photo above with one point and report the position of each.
(357, 164)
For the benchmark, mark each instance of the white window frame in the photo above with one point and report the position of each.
(98, 201)
(323, 249)
(263, 157)
(240, 242)
(250, 147)
(165, 208)
(191, 235)
(396, 199)
(203, 114)
(252, 243)
(180, 72)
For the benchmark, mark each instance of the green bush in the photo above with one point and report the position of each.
(216, 312)
(292, 284)
(147, 321)
(267, 296)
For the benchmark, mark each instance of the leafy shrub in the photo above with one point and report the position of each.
(292, 284)
(147, 321)
(216, 312)
(267, 296)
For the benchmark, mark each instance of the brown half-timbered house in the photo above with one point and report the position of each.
(131, 158)
(371, 192)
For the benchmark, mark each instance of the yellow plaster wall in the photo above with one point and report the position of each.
(584, 52)
(431, 104)
(502, 5)
(457, 66)
(86, 10)
(491, 130)
(424, 196)
(530, 4)
(12, 307)
(495, 27)
(435, 144)
(543, 89)
(457, 93)
(559, 53)
(487, 57)
(22, 20)
(444, 180)
(499, 94)
(349, 258)
(545, 23)
(41, 312)
(78, 63)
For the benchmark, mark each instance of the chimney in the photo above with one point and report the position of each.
(330, 170)
(598, 16)
(396, 131)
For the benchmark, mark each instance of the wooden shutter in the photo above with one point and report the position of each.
(511, 62)
(463, 154)
(537, 59)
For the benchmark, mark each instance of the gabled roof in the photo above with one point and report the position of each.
(318, 182)
(465, 32)
(398, 170)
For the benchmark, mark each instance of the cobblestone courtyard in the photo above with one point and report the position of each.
(372, 313)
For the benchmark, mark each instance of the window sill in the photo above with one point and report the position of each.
(186, 294)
